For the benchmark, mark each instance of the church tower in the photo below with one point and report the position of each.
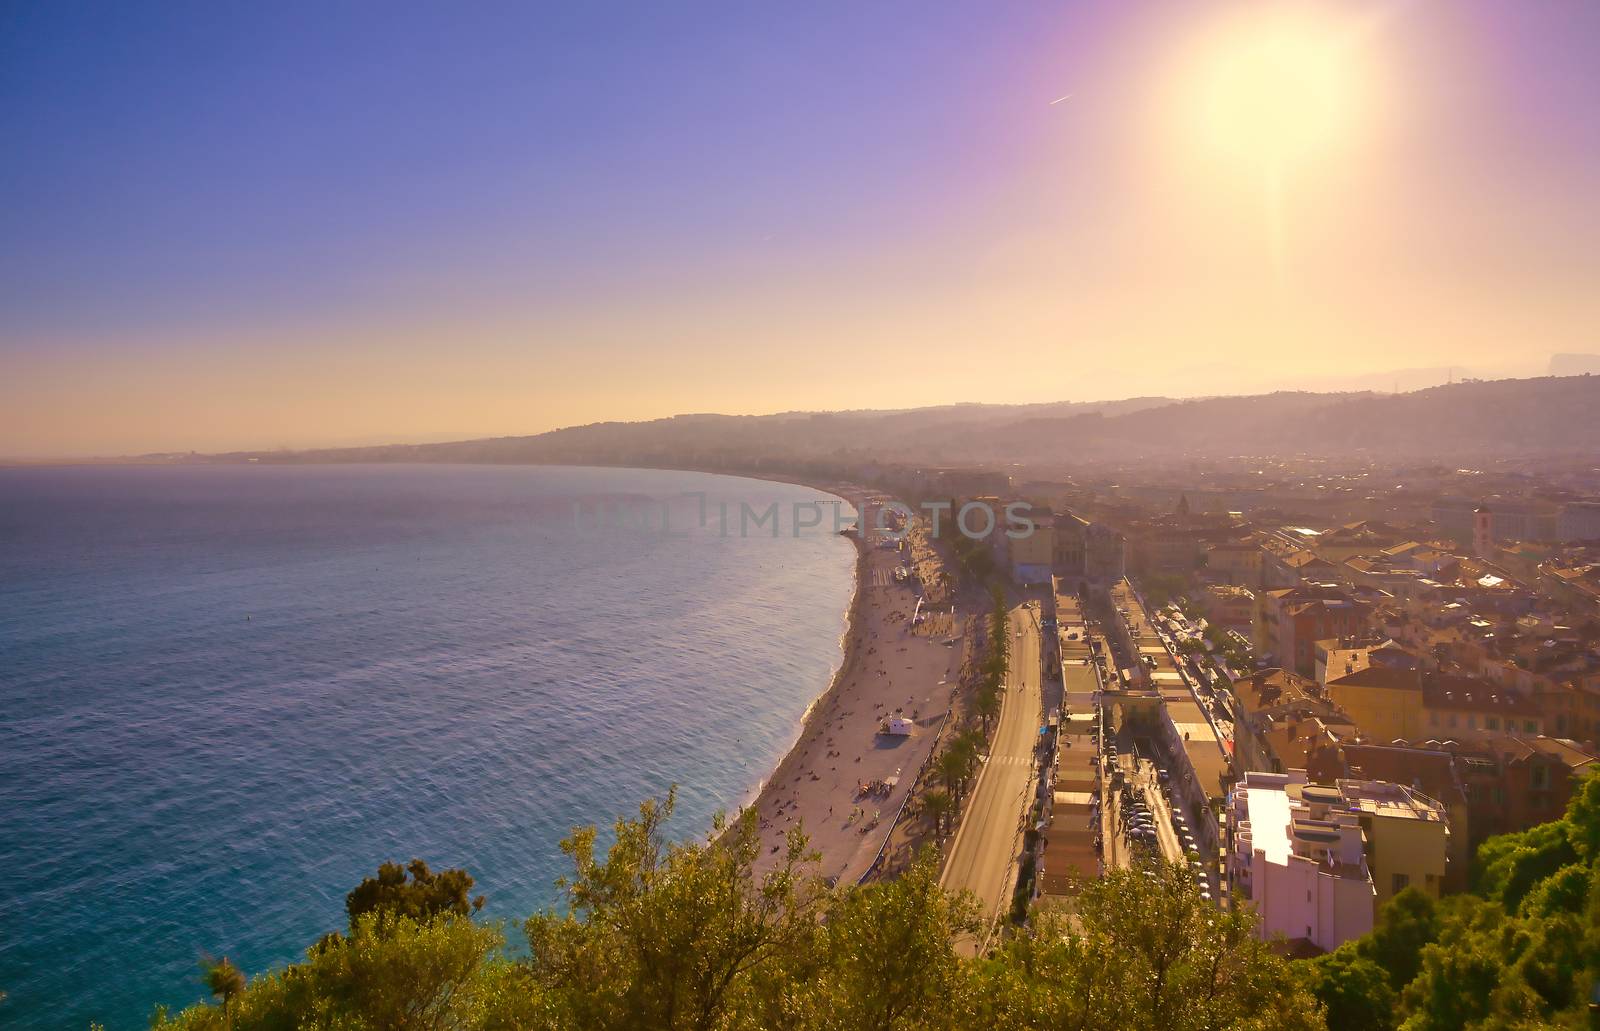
(1482, 539)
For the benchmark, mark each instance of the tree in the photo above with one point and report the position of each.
(1405, 924)
(224, 981)
(1522, 950)
(952, 767)
(889, 954)
(1459, 972)
(1509, 865)
(1354, 991)
(938, 805)
(386, 973)
(426, 895)
(987, 706)
(1145, 950)
(668, 936)
(1583, 819)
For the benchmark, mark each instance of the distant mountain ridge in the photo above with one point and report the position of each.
(1546, 415)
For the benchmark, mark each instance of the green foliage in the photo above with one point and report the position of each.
(955, 765)
(987, 704)
(1562, 892)
(1355, 990)
(1583, 819)
(665, 936)
(1511, 864)
(1144, 951)
(223, 979)
(1228, 646)
(225, 982)
(939, 806)
(1160, 591)
(391, 974)
(974, 558)
(888, 957)
(426, 895)
(1404, 925)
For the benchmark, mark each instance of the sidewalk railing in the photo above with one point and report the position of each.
(911, 790)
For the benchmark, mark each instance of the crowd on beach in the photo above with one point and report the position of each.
(844, 774)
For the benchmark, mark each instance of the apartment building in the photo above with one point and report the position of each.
(1415, 705)
(1407, 836)
(1299, 857)
(1229, 607)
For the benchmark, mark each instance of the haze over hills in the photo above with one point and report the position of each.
(1549, 415)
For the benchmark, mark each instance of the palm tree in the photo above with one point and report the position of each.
(969, 744)
(988, 706)
(225, 982)
(952, 767)
(939, 806)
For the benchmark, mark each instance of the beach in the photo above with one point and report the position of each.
(843, 781)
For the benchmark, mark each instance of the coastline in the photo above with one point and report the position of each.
(887, 666)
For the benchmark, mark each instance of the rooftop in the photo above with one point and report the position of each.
(1381, 798)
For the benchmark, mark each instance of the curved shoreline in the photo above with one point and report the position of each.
(887, 666)
(847, 658)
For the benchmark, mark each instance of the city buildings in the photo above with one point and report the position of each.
(1280, 718)
(1291, 620)
(1316, 860)
(1416, 692)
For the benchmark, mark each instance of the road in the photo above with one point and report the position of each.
(982, 857)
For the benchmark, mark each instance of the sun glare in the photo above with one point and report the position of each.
(1265, 100)
(1274, 87)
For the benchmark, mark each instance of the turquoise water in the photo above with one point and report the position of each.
(228, 693)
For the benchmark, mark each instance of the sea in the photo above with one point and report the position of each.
(229, 692)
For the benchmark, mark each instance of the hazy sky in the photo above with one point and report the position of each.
(249, 225)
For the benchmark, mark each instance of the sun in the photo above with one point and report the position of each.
(1277, 85)
(1272, 99)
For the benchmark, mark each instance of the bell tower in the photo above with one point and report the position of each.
(1482, 538)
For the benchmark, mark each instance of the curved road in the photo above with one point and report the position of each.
(982, 857)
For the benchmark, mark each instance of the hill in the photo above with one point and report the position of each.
(1472, 419)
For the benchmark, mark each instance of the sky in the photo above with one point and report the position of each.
(230, 225)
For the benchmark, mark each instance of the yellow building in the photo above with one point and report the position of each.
(1407, 835)
(1385, 703)
(1415, 705)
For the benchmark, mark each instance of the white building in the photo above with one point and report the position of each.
(1297, 855)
